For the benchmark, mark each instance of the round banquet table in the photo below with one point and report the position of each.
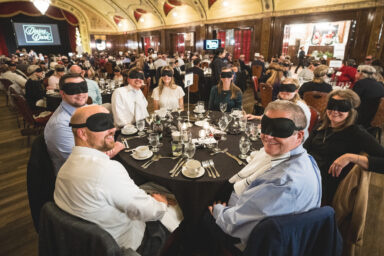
(193, 195)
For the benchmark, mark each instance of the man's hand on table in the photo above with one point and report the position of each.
(116, 149)
(215, 203)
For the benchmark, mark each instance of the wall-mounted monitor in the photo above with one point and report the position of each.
(212, 44)
(29, 34)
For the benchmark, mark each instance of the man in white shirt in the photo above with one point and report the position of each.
(91, 186)
(129, 103)
(161, 62)
(13, 77)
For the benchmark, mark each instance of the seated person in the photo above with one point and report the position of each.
(281, 179)
(58, 135)
(117, 76)
(338, 141)
(167, 94)
(34, 88)
(225, 91)
(53, 80)
(93, 88)
(306, 75)
(91, 186)
(318, 83)
(129, 103)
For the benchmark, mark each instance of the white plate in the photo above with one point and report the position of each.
(198, 175)
(133, 131)
(142, 158)
(200, 123)
(198, 112)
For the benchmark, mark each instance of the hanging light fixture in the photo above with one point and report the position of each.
(41, 5)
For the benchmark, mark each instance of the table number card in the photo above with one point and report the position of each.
(188, 79)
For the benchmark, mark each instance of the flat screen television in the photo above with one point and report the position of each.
(31, 34)
(212, 44)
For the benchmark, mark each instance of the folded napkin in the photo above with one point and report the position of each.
(204, 141)
(259, 164)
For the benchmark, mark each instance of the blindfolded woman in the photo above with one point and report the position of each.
(337, 143)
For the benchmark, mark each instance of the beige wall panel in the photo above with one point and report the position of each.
(182, 14)
(150, 21)
(231, 8)
(281, 5)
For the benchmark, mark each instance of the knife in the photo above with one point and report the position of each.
(235, 158)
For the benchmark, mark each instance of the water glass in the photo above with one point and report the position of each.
(243, 123)
(189, 149)
(154, 141)
(254, 132)
(244, 146)
(140, 125)
(223, 107)
(177, 148)
(223, 124)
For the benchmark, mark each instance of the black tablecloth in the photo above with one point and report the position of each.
(193, 196)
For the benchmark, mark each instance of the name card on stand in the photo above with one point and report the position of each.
(188, 80)
(335, 64)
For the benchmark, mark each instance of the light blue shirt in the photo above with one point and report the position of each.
(58, 135)
(293, 186)
(94, 92)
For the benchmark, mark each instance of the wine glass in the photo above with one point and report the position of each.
(179, 109)
(223, 124)
(190, 149)
(223, 107)
(217, 136)
(248, 130)
(150, 118)
(254, 132)
(244, 146)
(154, 141)
(140, 125)
(243, 123)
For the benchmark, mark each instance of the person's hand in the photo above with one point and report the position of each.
(251, 117)
(160, 198)
(338, 165)
(116, 149)
(215, 203)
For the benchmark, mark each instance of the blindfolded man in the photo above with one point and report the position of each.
(281, 179)
(91, 186)
(57, 133)
(128, 103)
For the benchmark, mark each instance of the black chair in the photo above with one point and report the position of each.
(40, 179)
(312, 233)
(62, 234)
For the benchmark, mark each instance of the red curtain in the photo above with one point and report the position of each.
(72, 36)
(147, 44)
(246, 46)
(237, 49)
(180, 43)
(221, 36)
(3, 45)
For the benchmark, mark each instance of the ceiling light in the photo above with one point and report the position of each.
(225, 3)
(141, 20)
(174, 14)
(41, 5)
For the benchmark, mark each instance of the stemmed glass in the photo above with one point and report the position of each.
(243, 123)
(217, 136)
(223, 107)
(179, 109)
(244, 146)
(154, 141)
(140, 125)
(223, 124)
(190, 149)
(254, 132)
(149, 120)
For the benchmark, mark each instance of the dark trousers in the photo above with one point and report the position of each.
(300, 64)
(155, 236)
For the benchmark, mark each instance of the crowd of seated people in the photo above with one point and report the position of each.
(335, 143)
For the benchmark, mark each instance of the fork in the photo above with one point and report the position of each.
(205, 166)
(154, 159)
(212, 164)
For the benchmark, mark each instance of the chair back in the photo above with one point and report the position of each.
(255, 86)
(257, 70)
(24, 110)
(89, 100)
(312, 233)
(204, 64)
(194, 88)
(265, 94)
(62, 234)
(6, 83)
(378, 119)
(315, 116)
(40, 178)
(317, 100)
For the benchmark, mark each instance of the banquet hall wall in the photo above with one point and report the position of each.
(366, 37)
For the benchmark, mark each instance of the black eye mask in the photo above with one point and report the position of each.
(278, 127)
(168, 73)
(287, 87)
(75, 88)
(98, 122)
(339, 105)
(136, 75)
(226, 74)
(60, 69)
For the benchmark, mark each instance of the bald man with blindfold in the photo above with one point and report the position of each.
(281, 178)
(57, 133)
(91, 186)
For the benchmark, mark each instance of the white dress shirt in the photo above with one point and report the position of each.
(14, 78)
(128, 106)
(91, 186)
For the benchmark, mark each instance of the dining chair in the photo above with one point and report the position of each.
(265, 94)
(317, 100)
(257, 70)
(6, 83)
(315, 116)
(378, 120)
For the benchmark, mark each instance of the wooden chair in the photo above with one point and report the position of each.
(6, 83)
(378, 120)
(265, 94)
(11, 92)
(204, 64)
(315, 116)
(255, 87)
(317, 100)
(257, 70)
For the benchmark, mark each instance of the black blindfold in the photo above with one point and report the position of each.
(60, 69)
(287, 87)
(168, 73)
(37, 70)
(226, 74)
(136, 75)
(278, 127)
(75, 88)
(98, 122)
(339, 105)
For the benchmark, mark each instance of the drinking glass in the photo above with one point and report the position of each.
(149, 120)
(190, 149)
(223, 124)
(254, 132)
(248, 130)
(140, 125)
(179, 111)
(177, 148)
(244, 146)
(154, 141)
(223, 107)
(243, 123)
(217, 136)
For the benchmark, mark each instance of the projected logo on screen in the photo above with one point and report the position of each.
(37, 34)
